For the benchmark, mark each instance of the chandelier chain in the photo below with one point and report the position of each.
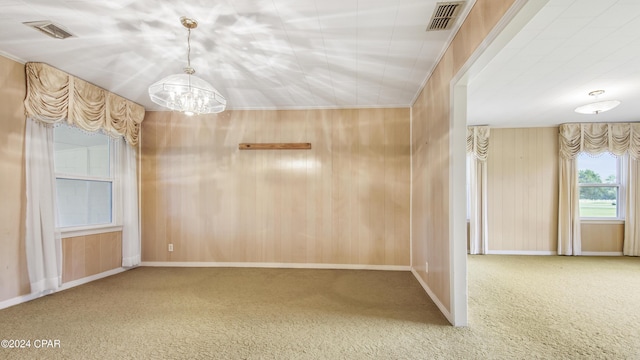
(189, 48)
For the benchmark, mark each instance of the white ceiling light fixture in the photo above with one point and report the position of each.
(186, 92)
(598, 106)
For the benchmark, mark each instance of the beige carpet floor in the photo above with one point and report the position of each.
(520, 308)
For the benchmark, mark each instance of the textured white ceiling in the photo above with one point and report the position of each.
(568, 49)
(260, 54)
(283, 54)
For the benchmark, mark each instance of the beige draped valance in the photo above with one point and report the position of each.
(594, 138)
(478, 141)
(54, 96)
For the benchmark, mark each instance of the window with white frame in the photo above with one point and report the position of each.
(84, 177)
(601, 188)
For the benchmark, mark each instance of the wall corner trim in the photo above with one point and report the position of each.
(433, 297)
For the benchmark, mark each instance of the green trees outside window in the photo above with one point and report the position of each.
(596, 193)
(599, 186)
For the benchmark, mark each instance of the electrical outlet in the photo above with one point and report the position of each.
(170, 247)
(426, 266)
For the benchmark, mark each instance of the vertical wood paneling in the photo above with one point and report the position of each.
(91, 254)
(264, 229)
(325, 144)
(77, 258)
(342, 173)
(522, 189)
(148, 165)
(248, 182)
(396, 192)
(67, 264)
(14, 277)
(496, 203)
(172, 178)
(523, 192)
(345, 201)
(602, 237)
(431, 152)
(538, 208)
(161, 180)
(519, 206)
(402, 187)
(377, 187)
(110, 251)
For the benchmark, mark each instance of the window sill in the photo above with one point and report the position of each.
(602, 221)
(88, 230)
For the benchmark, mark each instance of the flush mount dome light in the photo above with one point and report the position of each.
(598, 106)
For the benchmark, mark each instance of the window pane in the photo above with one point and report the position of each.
(597, 169)
(80, 153)
(598, 201)
(83, 202)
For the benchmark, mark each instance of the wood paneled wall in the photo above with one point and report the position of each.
(91, 254)
(431, 152)
(602, 237)
(522, 189)
(14, 277)
(345, 201)
(522, 195)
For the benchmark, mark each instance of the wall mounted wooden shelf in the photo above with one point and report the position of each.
(274, 146)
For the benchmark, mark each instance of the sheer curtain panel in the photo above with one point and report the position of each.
(42, 243)
(477, 150)
(632, 214)
(129, 186)
(569, 241)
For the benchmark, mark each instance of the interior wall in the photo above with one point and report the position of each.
(90, 255)
(522, 196)
(602, 237)
(14, 277)
(522, 189)
(431, 116)
(345, 201)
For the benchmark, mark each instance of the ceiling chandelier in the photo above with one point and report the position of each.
(186, 92)
(598, 106)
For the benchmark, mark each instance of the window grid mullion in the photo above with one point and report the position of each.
(84, 178)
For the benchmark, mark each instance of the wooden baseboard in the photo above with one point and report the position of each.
(275, 265)
(520, 252)
(602, 253)
(433, 296)
(68, 285)
(584, 253)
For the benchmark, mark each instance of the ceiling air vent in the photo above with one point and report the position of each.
(444, 16)
(50, 29)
